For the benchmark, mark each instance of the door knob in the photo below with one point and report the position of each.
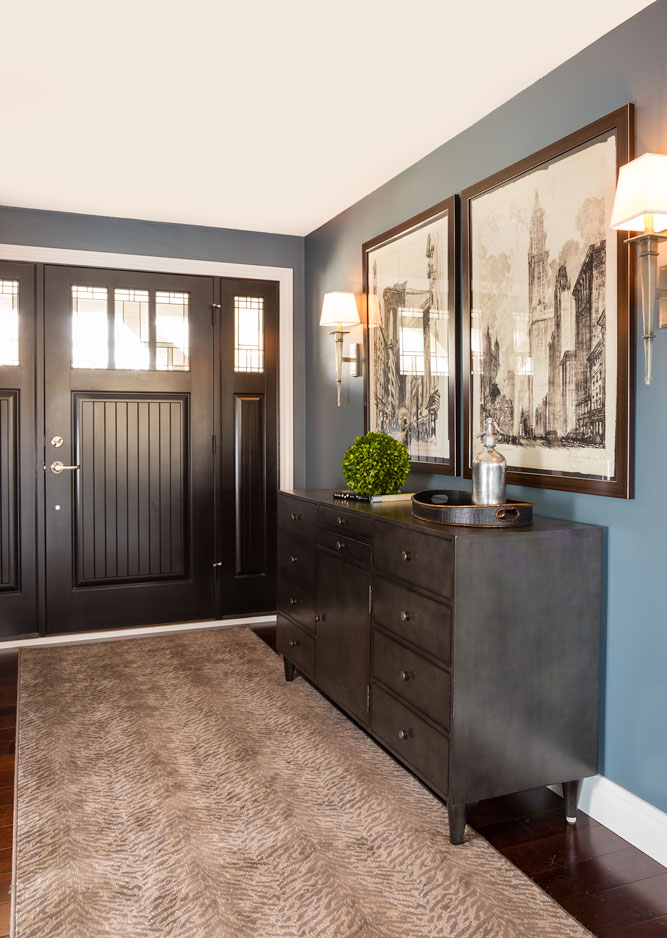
(57, 467)
(218, 563)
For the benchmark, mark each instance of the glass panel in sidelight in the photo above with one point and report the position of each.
(9, 322)
(248, 333)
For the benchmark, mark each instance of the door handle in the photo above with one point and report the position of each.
(57, 467)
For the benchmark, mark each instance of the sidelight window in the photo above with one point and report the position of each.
(248, 333)
(9, 322)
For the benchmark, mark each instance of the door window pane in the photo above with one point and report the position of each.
(9, 322)
(90, 333)
(172, 333)
(248, 333)
(131, 329)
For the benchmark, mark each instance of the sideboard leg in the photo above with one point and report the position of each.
(457, 822)
(571, 799)
(289, 670)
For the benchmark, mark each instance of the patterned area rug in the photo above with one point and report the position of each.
(178, 786)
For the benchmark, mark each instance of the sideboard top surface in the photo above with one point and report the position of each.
(401, 513)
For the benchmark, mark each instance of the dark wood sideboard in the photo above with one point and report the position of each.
(471, 654)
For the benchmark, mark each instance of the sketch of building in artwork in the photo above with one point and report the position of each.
(411, 361)
(554, 390)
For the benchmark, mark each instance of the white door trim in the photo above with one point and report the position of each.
(180, 265)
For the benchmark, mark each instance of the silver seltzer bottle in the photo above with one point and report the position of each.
(489, 470)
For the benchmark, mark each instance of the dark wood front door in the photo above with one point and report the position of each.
(128, 448)
(18, 462)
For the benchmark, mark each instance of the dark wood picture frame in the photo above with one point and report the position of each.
(449, 209)
(621, 485)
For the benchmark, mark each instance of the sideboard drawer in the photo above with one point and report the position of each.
(297, 517)
(344, 546)
(412, 739)
(296, 645)
(415, 679)
(422, 559)
(296, 560)
(422, 621)
(297, 602)
(348, 522)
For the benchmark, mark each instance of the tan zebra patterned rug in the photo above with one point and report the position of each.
(178, 786)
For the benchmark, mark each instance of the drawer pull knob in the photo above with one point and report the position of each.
(340, 520)
(294, 643)
(405, 615)
(339, 545)
(404, 734)
(293, 558)
(405, 555)
(294, 516)
(321, 618)
(293, 601)
(405, 675)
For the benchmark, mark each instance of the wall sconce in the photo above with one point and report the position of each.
(641, 205)
(340, 309)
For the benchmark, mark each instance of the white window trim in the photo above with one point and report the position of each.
(180, 265)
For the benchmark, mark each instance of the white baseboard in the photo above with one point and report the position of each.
(635, 820)
(111, 634)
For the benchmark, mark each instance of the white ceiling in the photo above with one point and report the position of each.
(265, 115)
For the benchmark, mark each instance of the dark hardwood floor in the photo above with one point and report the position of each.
(612, 888)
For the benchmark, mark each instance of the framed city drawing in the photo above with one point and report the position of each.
(411, 337)
(548, 348)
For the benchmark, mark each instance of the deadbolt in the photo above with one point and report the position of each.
(57, 441)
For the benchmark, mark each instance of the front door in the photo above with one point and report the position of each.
(128, 465)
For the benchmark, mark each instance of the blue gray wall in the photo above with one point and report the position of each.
(628, 64)
(158, 239)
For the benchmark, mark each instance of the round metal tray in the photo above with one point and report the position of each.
(446, 506)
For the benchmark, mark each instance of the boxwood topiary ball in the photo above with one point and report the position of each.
(376, 464)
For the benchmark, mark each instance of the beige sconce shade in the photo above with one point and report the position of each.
(641, 205)
(641, 191)
(339, 309)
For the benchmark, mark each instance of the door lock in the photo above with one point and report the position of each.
(57, 467)
(57, 441)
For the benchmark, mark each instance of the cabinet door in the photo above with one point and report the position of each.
(343, 634)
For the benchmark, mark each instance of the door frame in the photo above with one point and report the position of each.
(179, 265)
